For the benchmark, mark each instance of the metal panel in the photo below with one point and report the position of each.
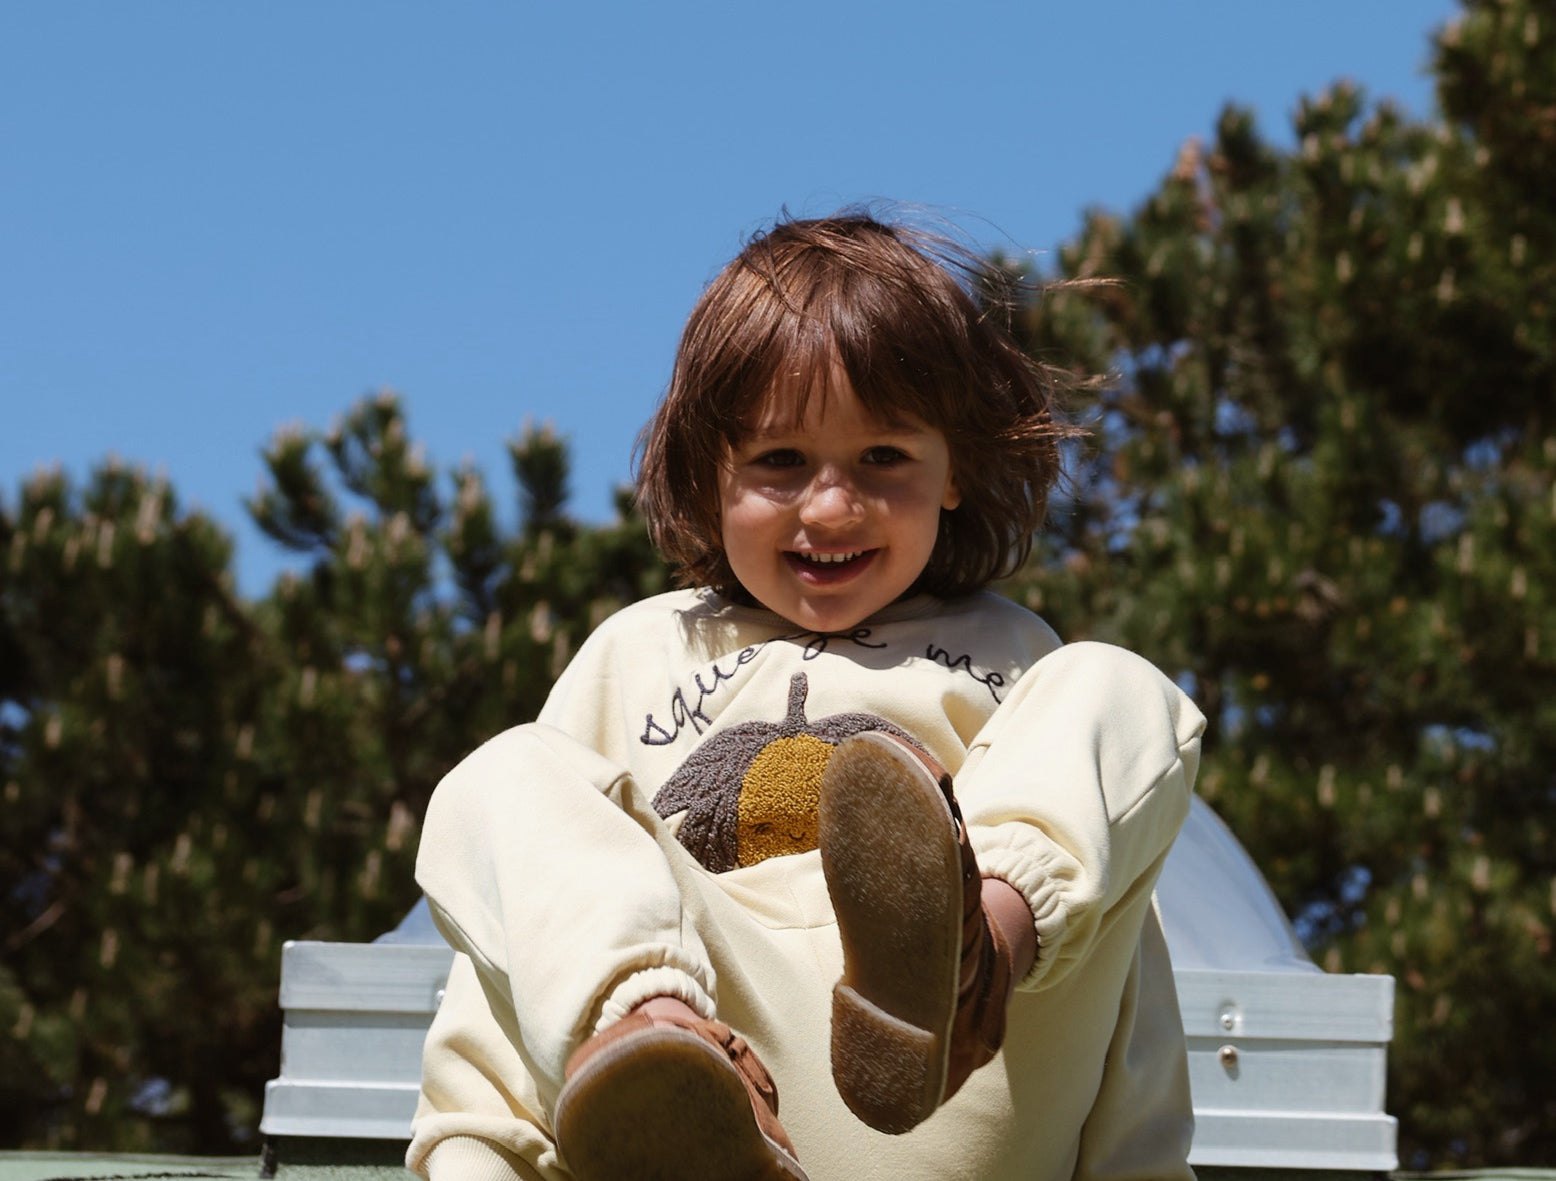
(358, 1047)
(1286, 1005)
(363, 977)
(353, 1111)
(354, 1019)
(1265, 1139)
(1307, 1077)
(1287, 1067)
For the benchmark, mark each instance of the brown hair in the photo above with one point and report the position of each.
(884, 301)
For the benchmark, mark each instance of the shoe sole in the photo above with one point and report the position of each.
(664, 1105)
(892, 862)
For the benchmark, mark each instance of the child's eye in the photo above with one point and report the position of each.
(884, 455)
(781, 457)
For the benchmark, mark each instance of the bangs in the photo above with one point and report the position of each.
(814, 374)
(900, 348)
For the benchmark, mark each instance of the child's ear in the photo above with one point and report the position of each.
(953, 494)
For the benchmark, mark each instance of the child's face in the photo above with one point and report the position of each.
(828, 521)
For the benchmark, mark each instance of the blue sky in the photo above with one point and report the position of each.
(220, 218)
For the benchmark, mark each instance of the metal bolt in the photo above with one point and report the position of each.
(1227, 1056)
(1228, 1021)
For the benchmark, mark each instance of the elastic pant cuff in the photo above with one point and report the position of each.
(649, 983)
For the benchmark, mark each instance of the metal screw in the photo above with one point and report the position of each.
(1227, 1056)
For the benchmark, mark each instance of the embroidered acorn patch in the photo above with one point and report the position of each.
(751, 792)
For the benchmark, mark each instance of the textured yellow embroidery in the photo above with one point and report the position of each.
(779, 797)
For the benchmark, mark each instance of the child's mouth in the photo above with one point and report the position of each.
(828, 567)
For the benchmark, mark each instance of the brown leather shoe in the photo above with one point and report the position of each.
(926, 976)
(663, 1099)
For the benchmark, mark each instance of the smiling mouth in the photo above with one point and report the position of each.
(815, 559)
(829, 569)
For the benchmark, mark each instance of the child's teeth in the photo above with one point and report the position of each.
(829, 559)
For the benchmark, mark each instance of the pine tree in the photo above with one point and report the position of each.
(1320, 493)
(128, 904)
(190, 779)
(417, 618)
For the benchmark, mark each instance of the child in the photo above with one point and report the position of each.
(727, 862)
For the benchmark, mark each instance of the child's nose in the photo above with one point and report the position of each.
(831, 500)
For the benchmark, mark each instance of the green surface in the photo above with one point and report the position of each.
(58, 1166)
(67, 1166)
(323, 1161)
